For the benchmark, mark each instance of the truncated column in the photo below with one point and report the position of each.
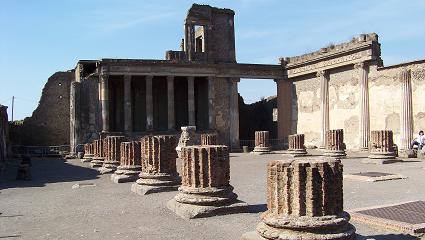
(381, 145)
(113, 155)
(335, 146)
(99, 158)
(209, 139)
(205, 189)
(88, 152)
(159, 172)
(130, 164)
(304, 201)
(296, 145)
(262, 144)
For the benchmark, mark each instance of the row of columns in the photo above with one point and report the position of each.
(104, 99)
(406, 120)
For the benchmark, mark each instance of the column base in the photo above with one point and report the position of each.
(108, 167)
(146, 189)
(339, 154)
(379, 160)
(261, 150)
(382, 155)
(121, 178)
(296, 153)
(190, 211)
(86, 159)
(97, 162)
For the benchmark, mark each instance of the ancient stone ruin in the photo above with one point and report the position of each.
(381, 147)
(113, 155)
(130, 163)
(304, 201)
(188, 137)
(159, 173)
(296, 146)
(99, 157)
(205, 189)
(208, 139)
(335, 146)
(262, 144)
(88, 152)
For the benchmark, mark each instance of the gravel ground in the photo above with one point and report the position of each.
(49, 208)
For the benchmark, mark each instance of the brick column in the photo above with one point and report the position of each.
(205, 189)
(149, 103)
(296, 145)
(128, 119)
(364, 124)
(130, 163)
(304, 201)
(335, 146)
(234, 114)
(191, 100)
(262, 144)
(159, 172)
(324, 106)
(88, 152)
(406, 118)
(97, 161)
(170, 97)
(381, 145)
(113, 154)
(104, 99)
(209, 139)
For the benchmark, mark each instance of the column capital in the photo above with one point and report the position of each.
(321, 73)
(149, 77)
(360, 65)
(170, 77)
(104, 69)
(279, 80)
(127, 77)
(234, 80)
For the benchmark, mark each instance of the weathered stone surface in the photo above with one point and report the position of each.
(88, 152)
(296, 145)
(159, 171)
(113, 154)
(209, 139)
(304, 201)
(382, 145)
(187, 138)
(205, 189)
(262, 144)
(99, 157)
(130, 163)
(335, 146)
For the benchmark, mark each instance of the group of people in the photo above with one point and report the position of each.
(419, 140)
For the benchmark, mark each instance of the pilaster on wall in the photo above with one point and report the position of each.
(284, 106)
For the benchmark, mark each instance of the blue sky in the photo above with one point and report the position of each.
(41, 37)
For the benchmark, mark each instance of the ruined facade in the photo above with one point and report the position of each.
(196, 86)
(347, 87)
(4, 136)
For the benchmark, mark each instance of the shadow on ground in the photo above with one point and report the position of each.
(47, 170)
(387, 237)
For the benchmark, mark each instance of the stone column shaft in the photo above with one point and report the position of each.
(364, 127)
(75, 116)
(234, 114)
(128, 123)
(191, 100)
(171, 114)
(382, 145)
(104, 98)
(406, 120)
(324, 106)
(149, 103)
(211, 109)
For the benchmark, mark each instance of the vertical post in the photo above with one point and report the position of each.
(234, 114)
(406, 120)
(74, 98)
(149, 103)
(211, 97)
(324, 106)
(284, 108)
(191, 100)
(128, 123)
(364, 106)
(170, 97)
(104, 98)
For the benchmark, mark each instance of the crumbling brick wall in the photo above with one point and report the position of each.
(49, 123)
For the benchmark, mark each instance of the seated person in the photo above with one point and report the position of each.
(419, 140)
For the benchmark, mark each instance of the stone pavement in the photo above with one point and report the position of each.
(48, 207)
